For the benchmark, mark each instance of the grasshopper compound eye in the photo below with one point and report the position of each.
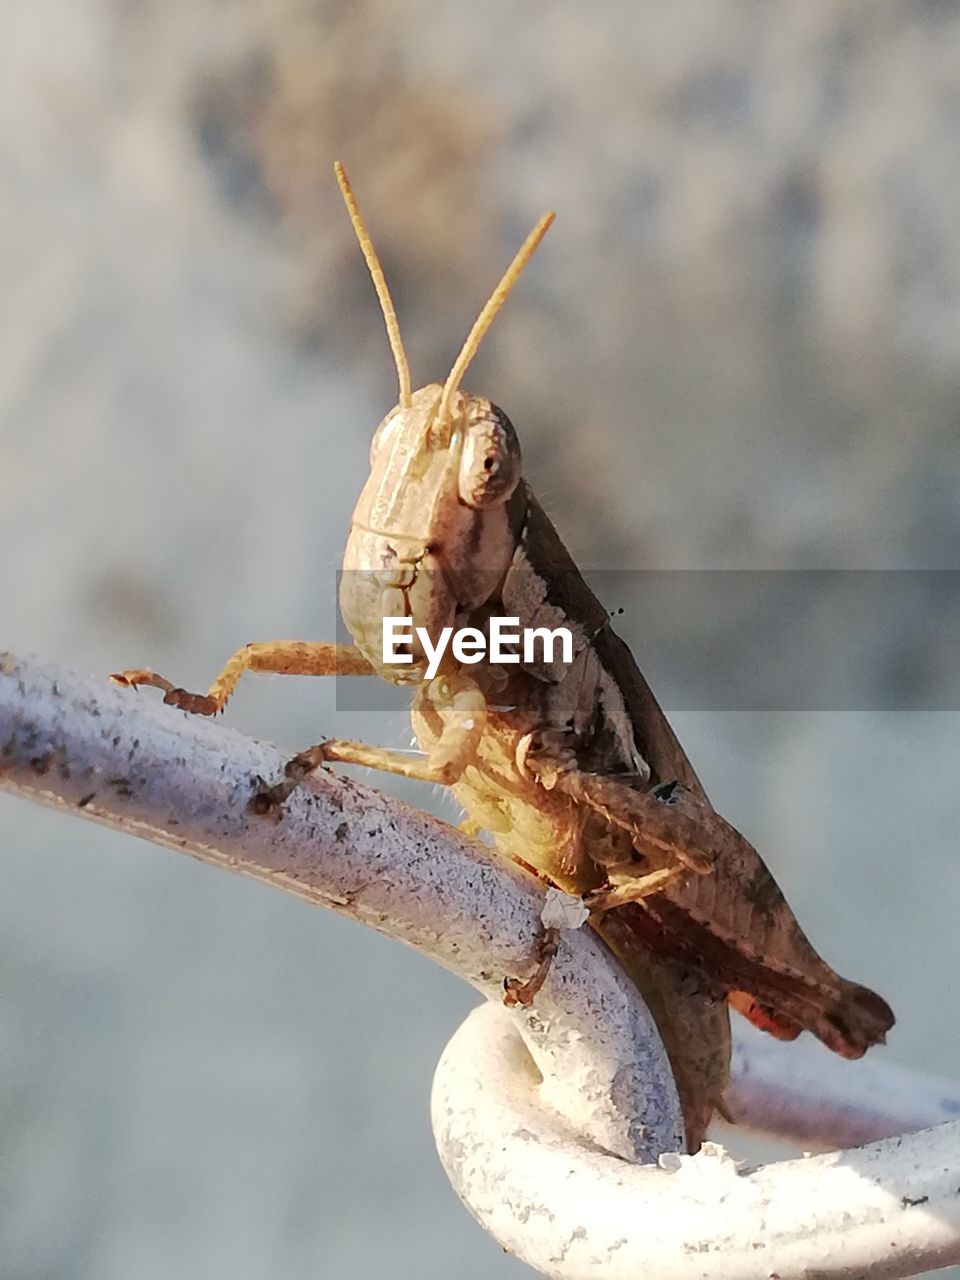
(490, 464)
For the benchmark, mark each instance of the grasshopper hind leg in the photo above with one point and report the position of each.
(523, 992)
(667, 825)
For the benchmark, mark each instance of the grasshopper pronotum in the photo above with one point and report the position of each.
(571, 768)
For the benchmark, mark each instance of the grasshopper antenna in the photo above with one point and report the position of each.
(379, 283)
(486, 317)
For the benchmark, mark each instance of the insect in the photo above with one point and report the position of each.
(571, 768)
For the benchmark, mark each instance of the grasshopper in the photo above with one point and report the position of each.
(570, 768)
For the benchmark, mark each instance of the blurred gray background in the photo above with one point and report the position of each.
(738, 348)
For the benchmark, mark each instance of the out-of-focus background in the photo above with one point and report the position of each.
(738, 348)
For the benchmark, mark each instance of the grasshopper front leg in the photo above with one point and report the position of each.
(279, 657)
(459, 700)
(463, 709)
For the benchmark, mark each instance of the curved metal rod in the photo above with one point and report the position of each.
(122, 759)
(575, 1213)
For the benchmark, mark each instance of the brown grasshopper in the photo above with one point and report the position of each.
(572, 768)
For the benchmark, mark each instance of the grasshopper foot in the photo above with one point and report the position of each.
(523, 992)
(268, 801)
(198, 704)
(263, 803)
(137, 676)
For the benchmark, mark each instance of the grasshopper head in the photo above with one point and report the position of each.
(434, 528)
(433, 531)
